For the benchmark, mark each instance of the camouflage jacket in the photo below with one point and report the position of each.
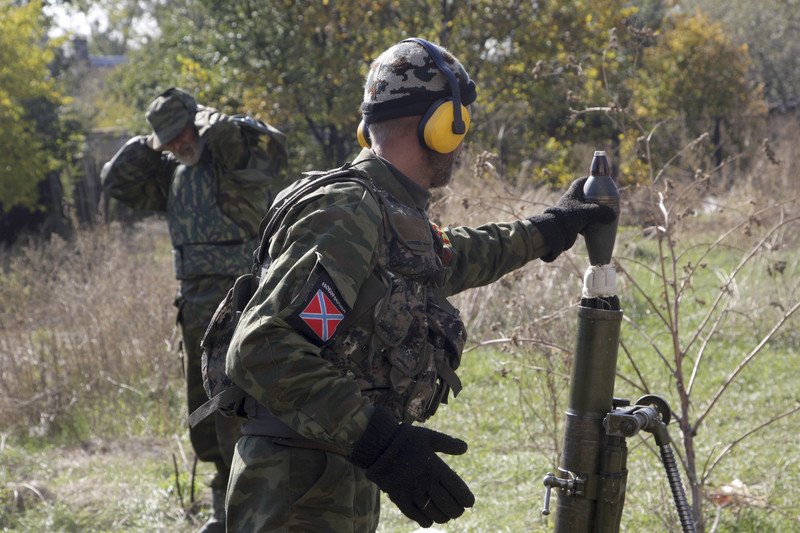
(214, 207)
(323, 386)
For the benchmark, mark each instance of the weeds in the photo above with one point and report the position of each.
(86, 333)
(709, 304)
(86, 350)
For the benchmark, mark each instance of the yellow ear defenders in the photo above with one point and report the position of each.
(363, 135)
(446, 122)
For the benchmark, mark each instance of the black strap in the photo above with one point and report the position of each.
(278, 211)
(448, 375)
(232, 394)
(243, 289)
(369, 295)
(261, 422)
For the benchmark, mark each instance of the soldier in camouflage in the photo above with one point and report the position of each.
(349, 341)
(213, 175)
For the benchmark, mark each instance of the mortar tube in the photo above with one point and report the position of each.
(591, 399)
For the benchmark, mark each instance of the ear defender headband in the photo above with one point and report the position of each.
(446, 122)
(442, 128)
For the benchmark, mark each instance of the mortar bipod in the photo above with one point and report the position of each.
(651, 414)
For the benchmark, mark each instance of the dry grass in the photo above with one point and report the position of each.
(88, 352)
(87, 331)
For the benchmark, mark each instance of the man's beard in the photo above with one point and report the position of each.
(190, 152)
(440, 167)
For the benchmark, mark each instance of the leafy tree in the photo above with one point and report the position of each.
(298, 65)
(543, 64)
(25, 85)
(771, 31)
(303, 69)
(669, 79)
(682, 79)
(551, 76)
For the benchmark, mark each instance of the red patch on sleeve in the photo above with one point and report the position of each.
(321, 312)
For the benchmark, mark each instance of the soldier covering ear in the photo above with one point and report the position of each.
(214, 177)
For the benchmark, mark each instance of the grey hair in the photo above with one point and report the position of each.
(381, 133)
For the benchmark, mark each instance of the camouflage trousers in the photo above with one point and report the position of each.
(213, 439)
(274, 487)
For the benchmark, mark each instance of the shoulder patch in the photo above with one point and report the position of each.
(323, 309)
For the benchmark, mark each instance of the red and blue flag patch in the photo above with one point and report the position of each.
(320, 314)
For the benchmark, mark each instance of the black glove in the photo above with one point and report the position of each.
(561, 224)
(401, 459)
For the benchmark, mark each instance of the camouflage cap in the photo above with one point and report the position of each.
(404, 81)
(169, 114)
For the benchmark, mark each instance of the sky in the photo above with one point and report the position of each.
(68, 20)
(71, 21)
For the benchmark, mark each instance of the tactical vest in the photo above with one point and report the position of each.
(401, 342)
(404, 339)
(205, 241)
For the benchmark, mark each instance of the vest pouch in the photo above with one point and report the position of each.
(418, 389)
(446, 330)
(407, 367)
(394, 315)
(215, 341)
(400, 327)
(218, 336)
(446, 378)
(447, 334)
(212, 259)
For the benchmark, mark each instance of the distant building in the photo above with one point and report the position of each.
(80, 47)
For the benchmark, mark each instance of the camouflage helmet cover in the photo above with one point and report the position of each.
(169, 114)
(405, 81)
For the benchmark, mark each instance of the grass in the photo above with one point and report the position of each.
(98, 485)
(91, 393)
(93, 435)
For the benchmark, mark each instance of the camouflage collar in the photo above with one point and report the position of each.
(392, 180)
